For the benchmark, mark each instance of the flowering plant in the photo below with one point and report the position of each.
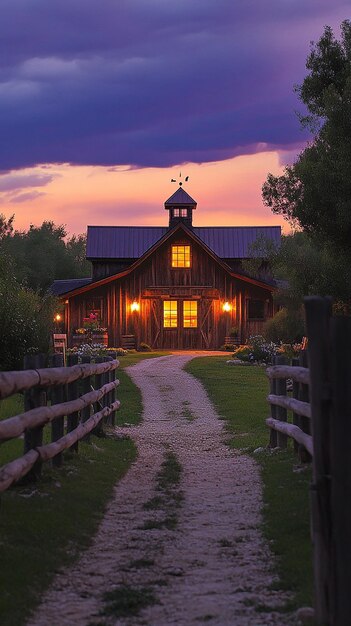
(94, 350)
(91, 322)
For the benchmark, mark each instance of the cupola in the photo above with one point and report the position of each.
(180, 206)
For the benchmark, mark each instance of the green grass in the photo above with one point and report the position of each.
(126, 601)
(44, 526)
(169, 495)
(239, 394)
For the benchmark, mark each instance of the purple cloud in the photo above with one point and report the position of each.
(152, 83)
(14, 181)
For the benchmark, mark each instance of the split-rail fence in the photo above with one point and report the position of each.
(321, 430)
(74, 400)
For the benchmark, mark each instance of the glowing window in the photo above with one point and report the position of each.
(180, 256)
(190, 313)
(170, 314)
(180, 212)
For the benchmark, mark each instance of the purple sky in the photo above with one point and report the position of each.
(125, 87)
(152, 82)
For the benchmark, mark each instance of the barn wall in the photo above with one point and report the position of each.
(155, 280)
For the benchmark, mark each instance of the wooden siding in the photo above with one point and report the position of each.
(154, 281)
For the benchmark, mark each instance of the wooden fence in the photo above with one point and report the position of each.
(296, 402)
(322, 426)
(74, 399)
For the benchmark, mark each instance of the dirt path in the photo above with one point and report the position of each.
(194, 554)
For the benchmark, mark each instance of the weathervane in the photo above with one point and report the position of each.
(173, 180)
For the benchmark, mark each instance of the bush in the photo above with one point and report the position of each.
(26, 319)
(286, 327)
(95, 350)
(261, 350)
(144, 347)
(242, 353)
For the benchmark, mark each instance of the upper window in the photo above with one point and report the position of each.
(190, 313)
(180, 212)
(181, 256)
(170, 318)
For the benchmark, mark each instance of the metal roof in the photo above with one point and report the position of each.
(121, 242)
(131, 242)
(180, 197)
(62, 286)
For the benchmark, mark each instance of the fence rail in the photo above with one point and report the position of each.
(83, 406)
(321, 428)
(299, 429)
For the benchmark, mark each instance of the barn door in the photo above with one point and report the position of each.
(206, 323)
(155, 323)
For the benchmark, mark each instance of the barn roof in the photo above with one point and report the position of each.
(63, 286)
(131, 242)
(179, 198)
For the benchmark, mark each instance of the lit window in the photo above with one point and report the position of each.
(180, 256)
(170, 314)
(180, 212)
(190, 313)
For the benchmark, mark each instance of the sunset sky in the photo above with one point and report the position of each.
(102, 102)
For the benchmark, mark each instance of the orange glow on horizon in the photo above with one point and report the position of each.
(227, 193)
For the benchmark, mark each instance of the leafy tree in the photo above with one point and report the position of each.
(315, 192)
(43, 254)
(25, 318)
(6, 226)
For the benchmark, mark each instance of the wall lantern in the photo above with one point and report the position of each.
(135, 306)
(227, 307)
(58, 317)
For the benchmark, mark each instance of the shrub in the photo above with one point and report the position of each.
(144, 347)
(26, 319)
(286, 327)
(242, 353)
(95, 350)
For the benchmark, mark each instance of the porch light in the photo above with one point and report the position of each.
(58, 317)
(227, 307)
(135, 306)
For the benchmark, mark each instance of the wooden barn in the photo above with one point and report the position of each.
(178, 286)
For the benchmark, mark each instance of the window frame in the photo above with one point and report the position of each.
(170, 315)
(253, 302)
(175, 257)
(191, 315)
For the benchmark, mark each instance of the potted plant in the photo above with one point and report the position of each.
(234, 335)
(100, 335)
(79, 337)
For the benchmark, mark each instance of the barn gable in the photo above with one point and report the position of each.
(169, 287)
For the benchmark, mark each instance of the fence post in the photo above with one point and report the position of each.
(295, 392)
(86, 387)
(72, 394)
(340, 462)
(318, 311)
(282, 414)
(273, 433)
(98, 430)
(57, 396)
(33, 398)
(305, 422)
(112, 395)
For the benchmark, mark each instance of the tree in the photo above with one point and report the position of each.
(315, 192)
(43, 253)
(26, 318)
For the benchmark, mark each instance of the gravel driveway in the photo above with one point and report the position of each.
(196, 557)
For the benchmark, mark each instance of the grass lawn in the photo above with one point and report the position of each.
(44, 526)
(239, 394)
